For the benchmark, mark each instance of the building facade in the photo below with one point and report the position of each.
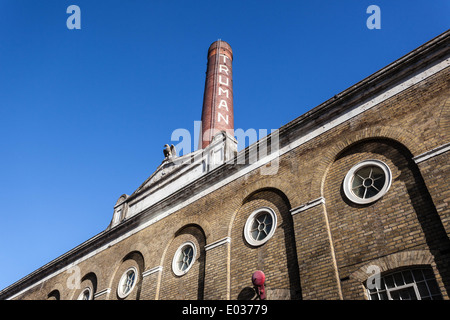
(348, 201)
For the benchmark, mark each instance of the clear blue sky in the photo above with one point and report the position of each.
(85, 113)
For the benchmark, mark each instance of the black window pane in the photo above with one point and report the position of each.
(423, 290)
(398, 279)
(434, 289)
(395, 295)
(383, 284)
(389, 282)
(408, 276)
(371, 192)
(417, 275)
(379, 183)
(428, 273)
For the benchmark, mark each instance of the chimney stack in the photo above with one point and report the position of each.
(217, 112)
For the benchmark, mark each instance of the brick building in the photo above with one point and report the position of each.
(348, 201)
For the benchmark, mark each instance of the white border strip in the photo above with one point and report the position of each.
(308, 205)
(218, 243)
(301, 140)
(432, 153)
(100, 293)
(151, 271)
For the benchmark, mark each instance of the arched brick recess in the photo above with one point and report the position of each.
(394, 261)
(88, 280)
(403, 216)
(277, 258)
(401, 136)
(132, 259)
(189, 286)
(443, 121)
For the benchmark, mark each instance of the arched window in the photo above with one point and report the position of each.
(406, 284)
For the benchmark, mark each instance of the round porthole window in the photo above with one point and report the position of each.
(260, 226)
(85, 294)
(184, 258)
(127, 282)
(367, 181)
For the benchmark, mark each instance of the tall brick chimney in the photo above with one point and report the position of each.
(217, 113)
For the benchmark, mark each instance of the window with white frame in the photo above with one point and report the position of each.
(367, 181)
(184, 258)
(260, 226)
(411, 284)
(127, 282)
(85, 294)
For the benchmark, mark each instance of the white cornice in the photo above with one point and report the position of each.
(217, 243)
(151, 271)
(102, 292)
(308, 205)
(432, 153)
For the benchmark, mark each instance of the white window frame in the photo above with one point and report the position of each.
(407, 285)
(81, 295)
(123, 278)
(177, 254)
(247, 228)
(414, 285)
(348, 180)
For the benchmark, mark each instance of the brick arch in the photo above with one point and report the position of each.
(132, 258)
(190, 225)
(394, 261)
(443, 121)
(142, 249)
(266, 184)
(247, 195)
(54, 295)
(180, 231)
(252, 193)
(191, 284)
(85, 279)
(54, 291)
(404, 138)
(283, 271)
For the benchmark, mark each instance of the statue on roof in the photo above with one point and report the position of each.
(169, 152)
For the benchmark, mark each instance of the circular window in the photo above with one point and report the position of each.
(260, 226)
(184, 258)
(85, 294)
(367, 181)
(127, 282)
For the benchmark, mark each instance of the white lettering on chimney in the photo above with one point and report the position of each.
(223, 91)
(223, 104)
(224, 58)
(223, 68)
(224, 80)
(221, 81)
(224, 119)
